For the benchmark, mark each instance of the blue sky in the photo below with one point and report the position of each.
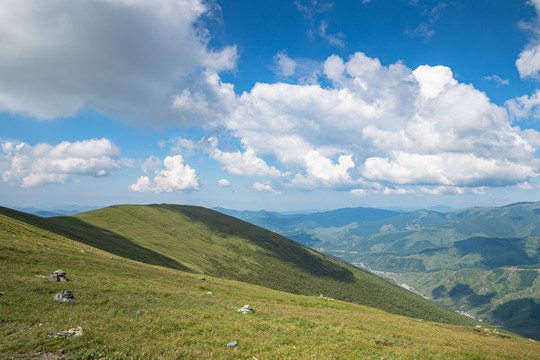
(280, 105)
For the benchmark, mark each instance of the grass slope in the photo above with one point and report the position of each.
(207, 242)
(132, 310)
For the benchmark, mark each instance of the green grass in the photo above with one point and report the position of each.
(207, 242)
(133, 310)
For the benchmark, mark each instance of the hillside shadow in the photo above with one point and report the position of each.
(496, 252)
(278, 246)
(463, 294)
(521, 316)
(80, 231)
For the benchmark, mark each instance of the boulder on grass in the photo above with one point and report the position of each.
(65, 296)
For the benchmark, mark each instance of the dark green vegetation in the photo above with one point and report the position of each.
(133, 310)
(484, 261)
(203, 241)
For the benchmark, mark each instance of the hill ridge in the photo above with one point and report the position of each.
(212, 243)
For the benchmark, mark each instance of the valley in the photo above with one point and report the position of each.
(481, 261)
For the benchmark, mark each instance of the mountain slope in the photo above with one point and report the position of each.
(459, 259)
(132, 310)
(211, 243)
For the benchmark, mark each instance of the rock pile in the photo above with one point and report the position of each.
(245, 310)
(58, 275)
(65, 296)
(75, 332)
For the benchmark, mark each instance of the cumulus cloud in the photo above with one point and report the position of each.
(125, 58)
(238, 163)
(224, 182)
(358, 192)
(528, 62)
(284, 64)
(386, 124)
(265, 187)
(526, 106)
(44, 163)
(175, 176)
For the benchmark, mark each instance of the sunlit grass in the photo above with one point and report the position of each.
(133, 310)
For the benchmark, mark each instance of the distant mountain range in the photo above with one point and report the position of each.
(484, 261)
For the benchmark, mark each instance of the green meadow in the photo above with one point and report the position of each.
(135, 309)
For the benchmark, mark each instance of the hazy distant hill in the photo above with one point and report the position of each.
(203, 241)
(290, 224)
(482, 260)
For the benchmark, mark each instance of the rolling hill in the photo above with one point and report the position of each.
(133, 310)
(207, 242)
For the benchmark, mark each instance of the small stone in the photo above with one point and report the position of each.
(233, 344)
(245, 309)
(201, 278)
(209, 293)
(65, 296)
(76, 332)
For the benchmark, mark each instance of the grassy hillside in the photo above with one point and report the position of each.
(132, 310)
(203, 241)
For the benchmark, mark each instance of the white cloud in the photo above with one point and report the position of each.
(152, 163)
(528, 62)
(384, 123)
(358, 192)
(238, 163)
(446, 169)
(333, 39)
(527, 186)
(265, 187)
(525, 106)
(425, 29)
(433, 80)
(397, 191)
(284, 64)
(125, 58)
(174, 177)
(457, 190)
(224, 182)
(44, 163)
(500, 81)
